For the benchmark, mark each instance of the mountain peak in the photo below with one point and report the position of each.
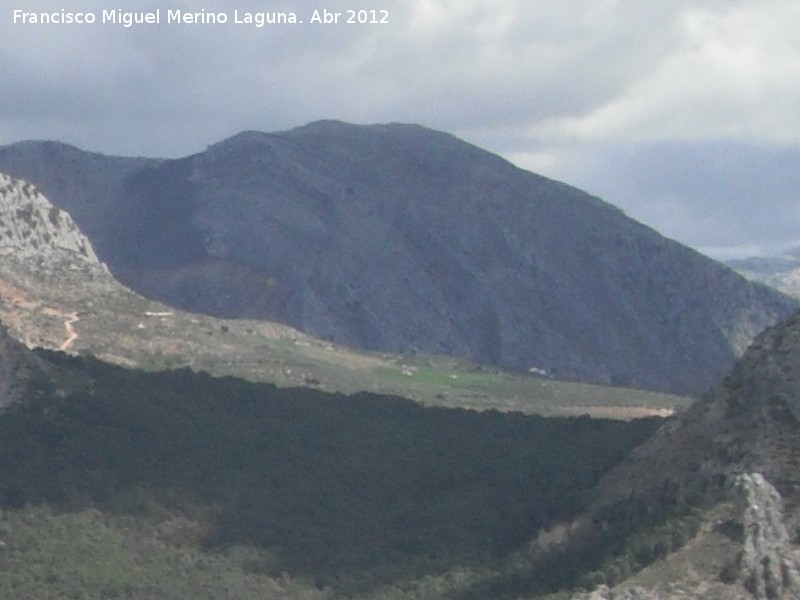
(340, 131)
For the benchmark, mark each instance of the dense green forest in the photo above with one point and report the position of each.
(348, 491)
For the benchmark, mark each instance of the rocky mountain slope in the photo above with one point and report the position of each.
(748, 423)
(32, 228)
(781, 272)
(55, 294)
(746, 551)
(734, 456)
(403, 239)
(49, 272)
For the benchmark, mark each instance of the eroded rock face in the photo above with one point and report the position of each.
(770, 564)
(31, 227)
(49, 272)
(743, 436)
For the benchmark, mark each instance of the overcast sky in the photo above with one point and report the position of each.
(684, 113)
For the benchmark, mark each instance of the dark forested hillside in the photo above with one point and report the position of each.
(364, 487)
(403, 239)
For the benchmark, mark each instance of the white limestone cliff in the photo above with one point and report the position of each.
(31, 227)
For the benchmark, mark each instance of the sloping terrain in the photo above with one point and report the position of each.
(20, 371)
(54, 293)
(709, 504)
(357, 492)
(749, 422)
(125, 483)
(119, 482)
(398, 238)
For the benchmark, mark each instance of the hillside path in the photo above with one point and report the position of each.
(72, 335)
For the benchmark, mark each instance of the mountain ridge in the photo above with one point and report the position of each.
(402, 239)
(54, 296)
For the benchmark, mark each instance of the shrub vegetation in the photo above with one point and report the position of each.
(350, 492)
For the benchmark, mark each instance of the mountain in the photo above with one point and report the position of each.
(707, 507)
(749, 422)
(86, 182)
(402, 239)
(55, 294)
(120, 482)
(49, 272)
(781, 272)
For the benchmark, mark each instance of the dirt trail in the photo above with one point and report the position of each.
(72, 335)
(69, 319)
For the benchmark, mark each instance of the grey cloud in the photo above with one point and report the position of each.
(539, 60)
(590, 91)
(719, 196)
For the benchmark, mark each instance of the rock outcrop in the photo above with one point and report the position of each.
(749, 422)
(770, 563)
(41, 242)
(49, 271)
(31, 227)
(763, 564)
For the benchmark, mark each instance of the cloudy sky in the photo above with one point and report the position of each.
(684, 113)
